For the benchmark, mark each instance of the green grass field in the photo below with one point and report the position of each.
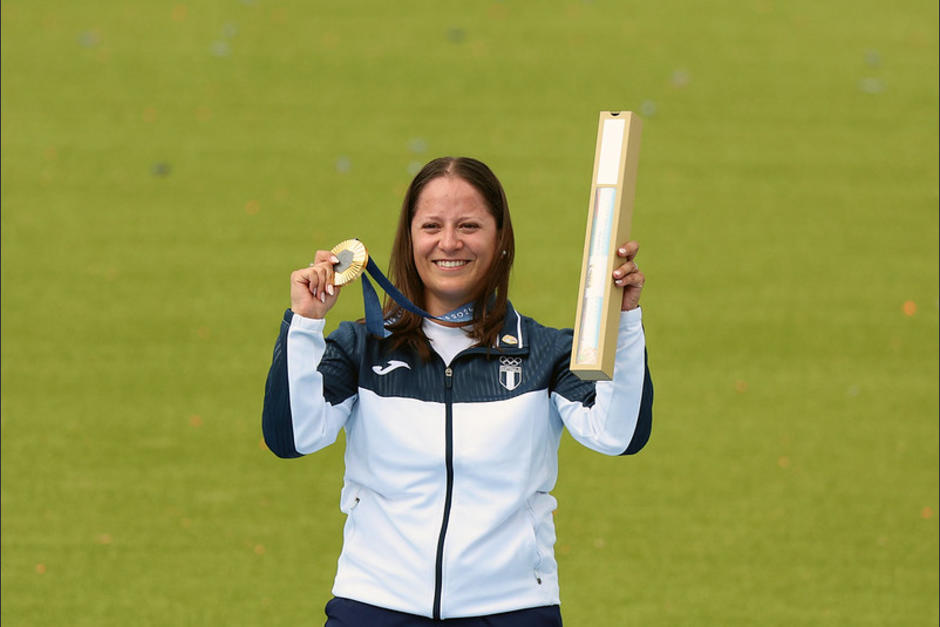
(166, 165)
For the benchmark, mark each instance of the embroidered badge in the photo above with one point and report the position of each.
(510, 372)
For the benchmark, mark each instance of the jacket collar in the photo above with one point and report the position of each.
(512, 338)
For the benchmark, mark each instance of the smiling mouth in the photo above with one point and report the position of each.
(450, 263)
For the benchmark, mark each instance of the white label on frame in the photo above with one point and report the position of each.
(590, 330)
(596, 277)
(608, 166)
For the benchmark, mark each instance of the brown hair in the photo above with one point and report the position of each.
(489, 305)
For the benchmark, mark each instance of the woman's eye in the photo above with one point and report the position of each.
(469, 226)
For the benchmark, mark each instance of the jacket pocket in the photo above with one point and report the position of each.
(539, 508)
(534, 536)
(349, 502)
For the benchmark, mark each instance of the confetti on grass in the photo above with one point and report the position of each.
(871, 85)
(680, 78)
(417, 145)
(160, 169)
(88, 39)
(220, 49)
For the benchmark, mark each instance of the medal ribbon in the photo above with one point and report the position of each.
(375, 321)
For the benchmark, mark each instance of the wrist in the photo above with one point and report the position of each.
(307, 313)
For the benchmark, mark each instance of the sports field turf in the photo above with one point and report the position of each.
(165, 165)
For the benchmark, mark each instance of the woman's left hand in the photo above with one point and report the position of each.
(629, 277)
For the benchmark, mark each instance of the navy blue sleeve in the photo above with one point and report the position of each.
(564, 381)
(644, 422)
(572, 387)
(339, 366)
(340, 376)
(276, 421)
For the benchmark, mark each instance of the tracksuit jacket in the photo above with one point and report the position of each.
(449, 469)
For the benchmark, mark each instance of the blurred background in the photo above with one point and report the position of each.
(166, 165)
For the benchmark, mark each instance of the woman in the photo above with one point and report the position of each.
(452, 431)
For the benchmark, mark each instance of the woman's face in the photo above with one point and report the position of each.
(454, 242)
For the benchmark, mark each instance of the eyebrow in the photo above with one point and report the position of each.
(439, 218)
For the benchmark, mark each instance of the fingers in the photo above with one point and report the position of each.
(321, 284)
(628, 273)
(309, 279)
(629, 277)
(318, 276)
(628, 250)
(312, 289)
(324, 256)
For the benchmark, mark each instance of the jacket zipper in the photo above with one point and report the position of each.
(449, 465)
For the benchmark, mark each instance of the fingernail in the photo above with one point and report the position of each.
(334, 259)
(618, 273)
(623, 251)
(322, 297)
(329, 289)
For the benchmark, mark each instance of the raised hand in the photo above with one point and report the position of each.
(312, 293)
(629, 277)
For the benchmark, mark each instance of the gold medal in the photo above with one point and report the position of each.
(353, 257)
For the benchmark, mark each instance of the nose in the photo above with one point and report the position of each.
(450, 238)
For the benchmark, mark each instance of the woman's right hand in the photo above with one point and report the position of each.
(312, 292)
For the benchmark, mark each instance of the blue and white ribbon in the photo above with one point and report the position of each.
(375, 321)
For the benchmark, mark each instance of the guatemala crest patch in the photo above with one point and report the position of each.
(510, 372)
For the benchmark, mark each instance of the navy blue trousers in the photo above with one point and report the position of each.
(342, 612)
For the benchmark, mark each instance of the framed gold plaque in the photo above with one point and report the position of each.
(610, 213)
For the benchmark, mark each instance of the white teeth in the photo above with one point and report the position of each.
(450, 264)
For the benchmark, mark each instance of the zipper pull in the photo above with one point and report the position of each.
(448, 377)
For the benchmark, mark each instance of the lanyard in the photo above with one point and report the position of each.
(375, 322)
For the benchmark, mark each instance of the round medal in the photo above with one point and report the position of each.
(353, 257)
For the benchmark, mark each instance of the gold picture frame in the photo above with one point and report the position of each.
(610, 214)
